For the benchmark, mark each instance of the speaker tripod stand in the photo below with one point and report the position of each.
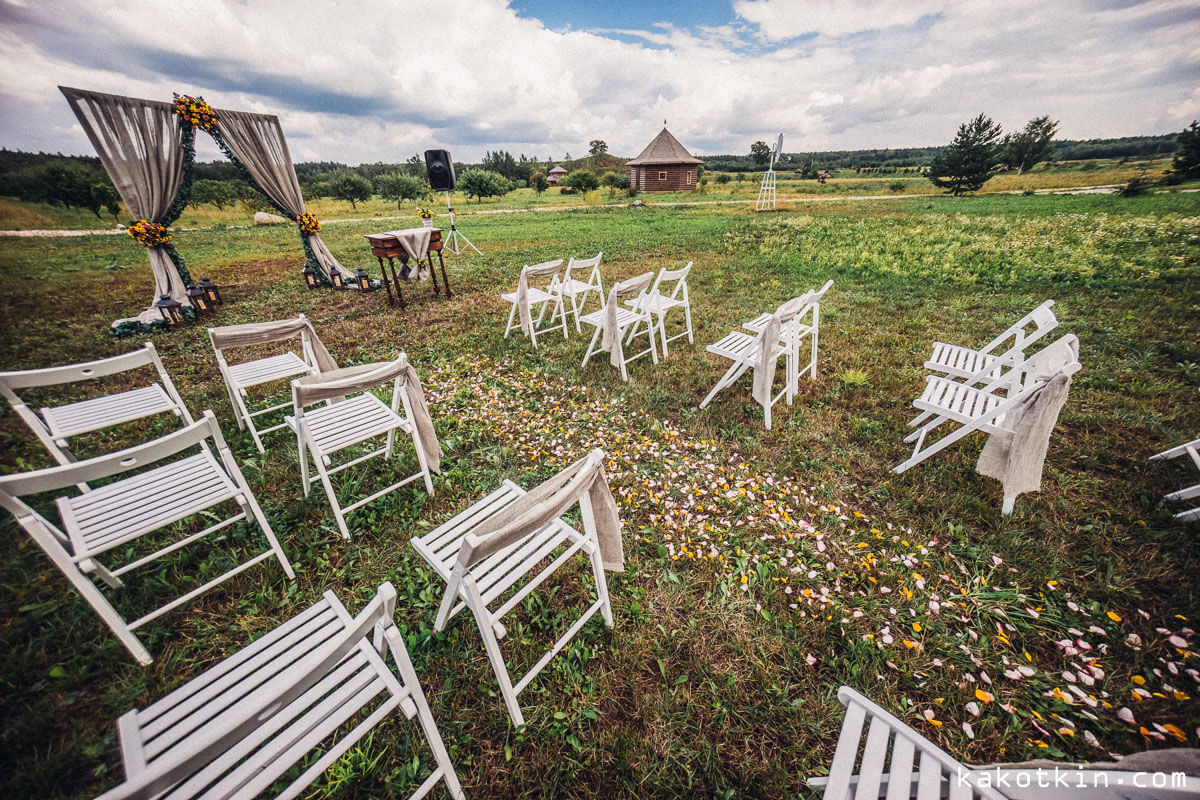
(455, 234)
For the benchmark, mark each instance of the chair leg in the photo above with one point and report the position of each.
(492, 646)
(575, 311)
(662, 331)
(511, 313)
(687, 315)
(245, 412)
(732, 374)
(591, 346)
(333, 501)
(653, 343)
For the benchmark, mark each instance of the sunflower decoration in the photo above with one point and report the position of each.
(195, 112)
(424, 213)
(308, 223)
(149, 234)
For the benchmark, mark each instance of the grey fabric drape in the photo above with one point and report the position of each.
(548, 502)
(532, 271)
(267, 332)
(257, 141)
(1015, 456)
(611, 340)
(347, 380)
(138, 144)
(768, 355)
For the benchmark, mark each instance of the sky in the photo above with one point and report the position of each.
(380, 80)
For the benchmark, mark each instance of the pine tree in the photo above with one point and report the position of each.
(970, 160)
(1187, 160)
(1031, 145)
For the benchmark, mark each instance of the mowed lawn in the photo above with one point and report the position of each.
(764, 569)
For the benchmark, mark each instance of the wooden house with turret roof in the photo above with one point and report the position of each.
(664, 166)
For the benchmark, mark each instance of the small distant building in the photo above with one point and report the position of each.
(555, 175)
(664, 166)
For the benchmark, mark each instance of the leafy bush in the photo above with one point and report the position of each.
(399, 187)
(723, 178)
(581, 180)
(481, 183)
(349, 185)
(897, 187)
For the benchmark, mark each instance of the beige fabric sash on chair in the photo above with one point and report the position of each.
(764, 366)
(267, 332)
(612, 335)
(1016, 455)
(337, 383)
(548, 502)
(527, 272)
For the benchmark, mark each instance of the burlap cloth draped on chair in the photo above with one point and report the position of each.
(1015, 456)
(548, 502)
(527, 272)
(611, 341)
(337, 383)
(268, 332)
(768, 350)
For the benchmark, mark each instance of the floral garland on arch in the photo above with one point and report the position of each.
(194, 111)
(149, 233)
(308, 223)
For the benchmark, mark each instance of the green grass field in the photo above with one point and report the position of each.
(765, 569)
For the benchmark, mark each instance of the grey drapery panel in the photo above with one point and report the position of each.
(612, 335)
(257, 141)
(138, 144)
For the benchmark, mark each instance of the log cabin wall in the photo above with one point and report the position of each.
(664, 177)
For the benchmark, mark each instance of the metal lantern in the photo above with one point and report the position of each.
(310, 276)
(363, 279)
(339, 282)
(199, 300)
(171, 310)
(212, 291)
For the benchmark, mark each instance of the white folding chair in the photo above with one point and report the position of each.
(119, 513)
(1192, 450)
(1007, 349)
(746, 353)
(981, 408)
(802, 327)
(612, 323)
(57, 424)
(659, 301)
(898, 763)
(527, 296)
(246, 722)
(477, 582)
(363, 418)
(578, 291)
(258, 372)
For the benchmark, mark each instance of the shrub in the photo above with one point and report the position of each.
(481, 183)
(593, 198)
(897, 187)
(723, 177)
(581, 180)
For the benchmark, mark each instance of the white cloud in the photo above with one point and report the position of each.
(394, 78)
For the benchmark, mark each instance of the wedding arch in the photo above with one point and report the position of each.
(148, 149)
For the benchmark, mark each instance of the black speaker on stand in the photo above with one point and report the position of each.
(440, 168)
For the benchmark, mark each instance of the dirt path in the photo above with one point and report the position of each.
(1106, 189)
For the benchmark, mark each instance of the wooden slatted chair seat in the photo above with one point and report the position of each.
(345, 424)
(957, 401)
(130, 507)
(740, 347)
(105, 412)
(536, 295)
(265, 370)
(120, 512)
(626, 317)
(242, 725)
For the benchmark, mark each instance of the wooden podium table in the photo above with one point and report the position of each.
(388, 245)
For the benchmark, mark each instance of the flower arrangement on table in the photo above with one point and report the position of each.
(195, 112)
(308, 223)
(149, 234)
(424, 213)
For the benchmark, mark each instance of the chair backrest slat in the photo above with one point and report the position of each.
(73, 373)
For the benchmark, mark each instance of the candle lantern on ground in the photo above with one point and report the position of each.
(339, 282)
(310, 276)
(199, 300)
(212, 291)
(363, 279)
(171, 310)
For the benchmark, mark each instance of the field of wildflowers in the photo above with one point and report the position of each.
(765, 569)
